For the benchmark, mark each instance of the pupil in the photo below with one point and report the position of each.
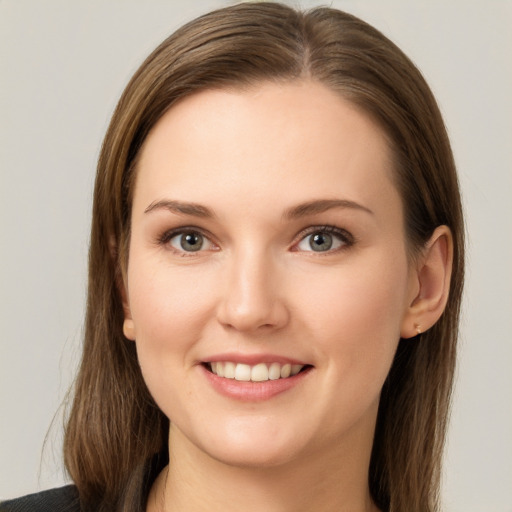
(191, 242)
(321, 242)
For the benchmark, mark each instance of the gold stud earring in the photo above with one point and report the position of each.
(417, 327)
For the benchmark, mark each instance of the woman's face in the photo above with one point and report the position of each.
(267, 239)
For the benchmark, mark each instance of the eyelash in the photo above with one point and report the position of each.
(346, 238)
(343, 235)
(166, 237)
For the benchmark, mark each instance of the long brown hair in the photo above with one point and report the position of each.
(116, 438)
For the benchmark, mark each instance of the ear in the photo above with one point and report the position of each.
(431, 284)
(128, 325)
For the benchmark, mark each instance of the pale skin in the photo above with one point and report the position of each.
(286, 192)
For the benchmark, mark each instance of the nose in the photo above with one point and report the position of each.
(252, 298)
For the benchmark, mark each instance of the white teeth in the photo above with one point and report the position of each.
(274, 371)
(260, 372)
(243, 372)
(296, 368)
(229, 370)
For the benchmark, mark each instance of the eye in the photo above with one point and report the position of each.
(189, 241)
(324, 240)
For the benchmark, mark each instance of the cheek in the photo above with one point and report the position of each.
(169, 311)
(357, 313)
(166, 303)
(164, 322)
(354, 321)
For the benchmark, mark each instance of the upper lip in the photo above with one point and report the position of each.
(253, 359)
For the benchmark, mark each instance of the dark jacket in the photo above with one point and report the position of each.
(62, 499)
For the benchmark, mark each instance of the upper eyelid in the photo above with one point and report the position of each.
(325, 229)
(170, 233)
(167, 235)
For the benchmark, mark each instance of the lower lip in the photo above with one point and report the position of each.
(249, 391)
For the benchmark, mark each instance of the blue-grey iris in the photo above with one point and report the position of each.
(191, 241)
(320, 242)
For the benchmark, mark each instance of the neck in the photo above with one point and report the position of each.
(195, 482)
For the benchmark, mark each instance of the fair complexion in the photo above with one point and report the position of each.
(267, 236)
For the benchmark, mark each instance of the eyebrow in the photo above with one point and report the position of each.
(180, 207)
(322, 205)
(296, 212)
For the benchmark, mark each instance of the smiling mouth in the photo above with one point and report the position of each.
(260, 372)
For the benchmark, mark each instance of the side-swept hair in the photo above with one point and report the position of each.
(116, 437)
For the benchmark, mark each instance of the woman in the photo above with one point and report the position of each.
(275, 276)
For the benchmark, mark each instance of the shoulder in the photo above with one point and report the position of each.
(62, 499)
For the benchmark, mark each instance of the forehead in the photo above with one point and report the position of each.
(270, 143)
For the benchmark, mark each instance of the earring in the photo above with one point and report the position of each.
(417, 327)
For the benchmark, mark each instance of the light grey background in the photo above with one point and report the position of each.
(63, 65)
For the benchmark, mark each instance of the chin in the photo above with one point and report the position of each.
(261, 444)
(253, 457)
